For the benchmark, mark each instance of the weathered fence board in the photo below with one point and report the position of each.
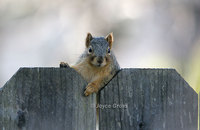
(46, 99)
(148, 99)
(135, 99)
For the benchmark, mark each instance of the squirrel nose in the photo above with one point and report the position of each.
(100, 59)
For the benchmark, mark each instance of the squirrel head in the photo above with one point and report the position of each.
(99, 49)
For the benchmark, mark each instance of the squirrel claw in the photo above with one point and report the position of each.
(89, 90)
(86, 93)
(63, 65)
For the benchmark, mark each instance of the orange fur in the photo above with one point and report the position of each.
(93, 75)
(97, 67)
(91, 72)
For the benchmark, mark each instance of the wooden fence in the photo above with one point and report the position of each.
(135, 99)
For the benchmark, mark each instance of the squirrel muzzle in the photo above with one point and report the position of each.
(99, 61)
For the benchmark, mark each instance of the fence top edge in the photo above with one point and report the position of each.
(172, 69)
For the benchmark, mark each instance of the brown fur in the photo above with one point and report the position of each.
(88, 39)
(96, 76)
(91, 72)
(110, 40)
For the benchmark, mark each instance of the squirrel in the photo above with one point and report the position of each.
(97, 64)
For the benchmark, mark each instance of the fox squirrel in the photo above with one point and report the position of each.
(97, 64)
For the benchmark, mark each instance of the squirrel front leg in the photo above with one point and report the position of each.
(96, 85)
(93, 87)
(64, 65)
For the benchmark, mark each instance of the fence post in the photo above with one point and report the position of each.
(46, 99)
(148, 99)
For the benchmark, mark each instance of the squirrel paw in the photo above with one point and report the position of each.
(63, 65)
(90, 89)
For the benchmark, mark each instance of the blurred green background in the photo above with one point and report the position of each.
(147, 33)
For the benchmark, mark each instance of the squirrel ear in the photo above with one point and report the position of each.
(109, 39)
(88, 39)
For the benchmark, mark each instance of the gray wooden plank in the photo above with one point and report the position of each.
(51, 99)
(156, 98)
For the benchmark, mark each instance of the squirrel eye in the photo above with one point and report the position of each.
(90, 50)
(108, 50)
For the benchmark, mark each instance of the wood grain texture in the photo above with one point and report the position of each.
(148, 99)
(135, 99)
(51, 98)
